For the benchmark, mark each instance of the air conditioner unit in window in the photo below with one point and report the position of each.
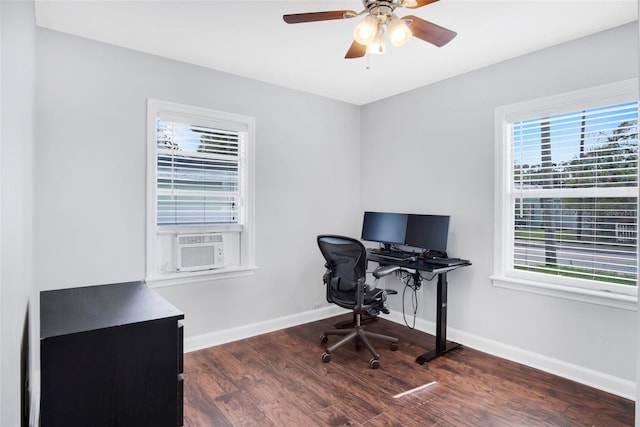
(195, 252)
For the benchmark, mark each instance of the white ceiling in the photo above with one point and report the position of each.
(249, 38)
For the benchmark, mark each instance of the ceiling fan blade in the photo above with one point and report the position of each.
(356, 50)
(429, 32)
(421, 3)
(297, 18)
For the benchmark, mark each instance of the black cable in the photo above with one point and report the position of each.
(414, 304)
(409, 282)
(433, 276)
(407, 278)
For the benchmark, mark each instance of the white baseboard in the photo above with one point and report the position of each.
(210, 339)
(589, 377)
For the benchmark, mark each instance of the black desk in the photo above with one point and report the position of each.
(442, 345)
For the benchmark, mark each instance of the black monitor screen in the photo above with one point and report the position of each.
(384, 227)
(429, 232)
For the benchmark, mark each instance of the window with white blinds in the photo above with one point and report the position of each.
(575, 184)
(571, 188)
(198, 172)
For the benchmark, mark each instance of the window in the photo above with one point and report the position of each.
(200, 179)
(567, 194)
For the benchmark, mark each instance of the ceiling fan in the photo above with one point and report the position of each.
(369, 33)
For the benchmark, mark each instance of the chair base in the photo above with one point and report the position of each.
(360, 336)
(352, 323)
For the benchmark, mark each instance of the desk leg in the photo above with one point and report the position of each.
(442, 345)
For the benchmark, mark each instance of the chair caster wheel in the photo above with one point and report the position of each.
(326, 357)
(374, 363)
(324, 339)
(393, 346)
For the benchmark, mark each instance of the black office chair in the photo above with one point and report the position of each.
(345, 281)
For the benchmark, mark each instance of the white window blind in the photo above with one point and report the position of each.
(198, 171)
(574, 187)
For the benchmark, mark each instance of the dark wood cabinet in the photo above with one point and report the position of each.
(110, 355)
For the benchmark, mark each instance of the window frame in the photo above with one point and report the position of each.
(245, 230)
(504, 275)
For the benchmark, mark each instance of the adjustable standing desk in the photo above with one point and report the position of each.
(442, 344)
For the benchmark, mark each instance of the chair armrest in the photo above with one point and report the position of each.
(384, 270)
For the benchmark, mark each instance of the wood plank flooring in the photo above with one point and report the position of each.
(278, 379)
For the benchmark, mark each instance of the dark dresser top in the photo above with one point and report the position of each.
(67, 311)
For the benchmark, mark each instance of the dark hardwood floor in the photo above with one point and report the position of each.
(278, 379)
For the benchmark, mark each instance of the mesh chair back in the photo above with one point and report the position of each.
(346, 264)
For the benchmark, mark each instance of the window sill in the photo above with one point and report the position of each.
(606, 298)
(185, 278)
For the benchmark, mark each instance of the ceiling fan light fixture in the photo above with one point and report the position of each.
(379, 18)
(378, 45)
(366, 30)
(399, 32)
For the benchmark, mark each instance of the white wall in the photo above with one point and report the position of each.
(16, 201)
(438, 155)
(90, 177)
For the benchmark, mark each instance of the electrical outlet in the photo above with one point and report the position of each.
(317, 305)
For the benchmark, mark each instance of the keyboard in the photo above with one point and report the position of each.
(392, 254)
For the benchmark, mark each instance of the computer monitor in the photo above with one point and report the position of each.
(428, 232)
(384, 227)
